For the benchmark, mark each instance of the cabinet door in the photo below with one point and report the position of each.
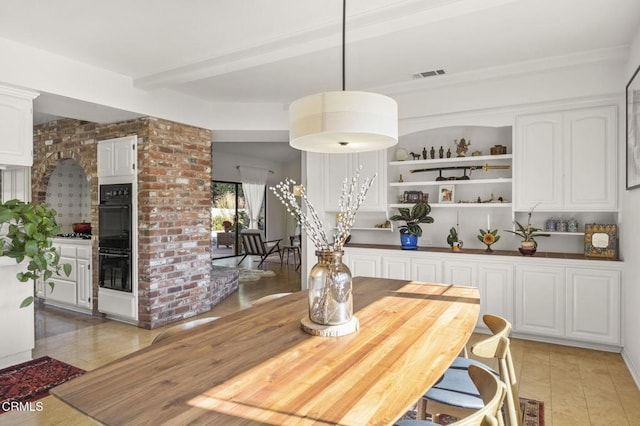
(395, 267)
(373, 163)
(124, 157)
(16, 130)
(362, 265)
(593, 305)
(426, 270)
(335, 168)
(495, 283)
(63, 291)
(538, 162)
(540, 300)
(461, 273)
(84, 283)
(105, 159)
(590, 159)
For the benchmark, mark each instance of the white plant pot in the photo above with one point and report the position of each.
(17, 326)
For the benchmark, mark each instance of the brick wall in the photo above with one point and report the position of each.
(174, 199)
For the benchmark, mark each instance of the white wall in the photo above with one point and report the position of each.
(224, 168)
(630, 230)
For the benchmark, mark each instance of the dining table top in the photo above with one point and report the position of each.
(257, 366)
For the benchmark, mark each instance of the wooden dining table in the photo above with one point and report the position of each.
(258, 367)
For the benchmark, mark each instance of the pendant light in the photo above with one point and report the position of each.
(343, 121)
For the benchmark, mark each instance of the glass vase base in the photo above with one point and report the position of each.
(348, 327)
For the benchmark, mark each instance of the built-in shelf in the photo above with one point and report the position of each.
(364, 228)
(563, 233)
(452, 160)
(451, 182)
(457, 205)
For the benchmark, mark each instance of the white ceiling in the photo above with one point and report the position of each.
(278, 50)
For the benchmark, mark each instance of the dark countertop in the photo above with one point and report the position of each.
(539, 254)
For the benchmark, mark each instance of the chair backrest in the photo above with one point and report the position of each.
(498, 346)
(253, 242)
(177, 329)
(492, 391)
(295, 240)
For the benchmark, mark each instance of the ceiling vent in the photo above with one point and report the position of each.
(425, 74)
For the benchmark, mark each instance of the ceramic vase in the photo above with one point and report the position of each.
(409, 241)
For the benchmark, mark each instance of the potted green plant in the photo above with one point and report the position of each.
(27, 232)
(453, 240)
(528, 245)
(411, 230)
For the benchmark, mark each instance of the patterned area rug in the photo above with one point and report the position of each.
(32, 380)
(532, 413)
(248, 275)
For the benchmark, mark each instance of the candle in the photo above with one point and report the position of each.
(489, 222)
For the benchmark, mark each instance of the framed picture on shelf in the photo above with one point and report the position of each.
(600, 241)
(633, 131)
(446, 194)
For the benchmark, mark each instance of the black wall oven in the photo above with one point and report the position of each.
(114, 236)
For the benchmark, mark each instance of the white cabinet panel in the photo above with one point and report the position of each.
(460, 273)
(590, 158)
(16, 126)
(63, 291)
(540, 300)
(396, 267)
(593, 305)
(538, 141)
(337, 167)
(427, 270)
(579, 154)
(116, 157)
(363, 265)
(495, 282)
(84, 289)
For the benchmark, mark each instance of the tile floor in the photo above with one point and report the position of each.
(578, 386)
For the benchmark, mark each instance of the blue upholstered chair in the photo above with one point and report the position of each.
(455, 394)
(491, 391)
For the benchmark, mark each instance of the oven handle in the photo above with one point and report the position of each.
(113, 255)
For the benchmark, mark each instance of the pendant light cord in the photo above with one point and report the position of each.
(344, 20)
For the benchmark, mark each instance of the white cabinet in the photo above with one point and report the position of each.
(593, 305)
(426, 269)
(117, 157)
(566, 161)
(84, 281)
(76, 290)
(460, 272)
(495, 283)
(16, 126)
(396, 267)
(337, 167)
(540, 300)
(364, 265)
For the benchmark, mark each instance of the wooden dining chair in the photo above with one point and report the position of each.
(455, 394)
(492, 392)
(180, 328)
(254, 245)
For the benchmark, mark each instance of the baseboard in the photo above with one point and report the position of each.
(633, 369)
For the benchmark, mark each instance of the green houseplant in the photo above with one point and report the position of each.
(528, 245)
(411, 230)
(27, 232)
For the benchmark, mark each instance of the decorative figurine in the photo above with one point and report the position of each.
(462, 147)
(414, 156)
(441, 152)
(489, 238)
(400, 180)
(433, 153)
(424, 153)
(448, 152)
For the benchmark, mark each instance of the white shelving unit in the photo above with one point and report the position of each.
(498, 182)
